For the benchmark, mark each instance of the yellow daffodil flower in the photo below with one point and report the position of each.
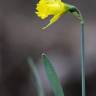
(55, 8)
(51, 7)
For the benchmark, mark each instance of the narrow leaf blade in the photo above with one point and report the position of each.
(52, 76)
(37, 77)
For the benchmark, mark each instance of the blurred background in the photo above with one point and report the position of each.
(21, 36)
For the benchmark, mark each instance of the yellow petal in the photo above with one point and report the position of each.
(49, 1)
(53, 20)
(58, 0)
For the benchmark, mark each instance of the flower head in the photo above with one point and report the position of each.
(55, 8)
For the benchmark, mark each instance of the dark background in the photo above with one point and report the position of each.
(21, 36)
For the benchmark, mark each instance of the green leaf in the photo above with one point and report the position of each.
(37, 77)
(52, 76)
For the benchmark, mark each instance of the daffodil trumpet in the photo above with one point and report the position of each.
(55, 8)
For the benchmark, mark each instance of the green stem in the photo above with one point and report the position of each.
(82, 58)
(79, 16)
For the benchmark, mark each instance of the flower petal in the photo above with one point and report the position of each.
(53, 20)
